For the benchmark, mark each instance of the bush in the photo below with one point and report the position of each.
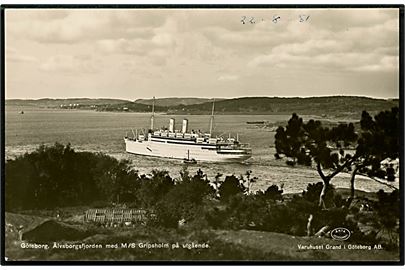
(274, 193)
(299, 209)
(216, 217)
(153, 189)
(57, 176)
(387, 217)
(230, 187)
(246, 212)
(313, 192)
(185, 200)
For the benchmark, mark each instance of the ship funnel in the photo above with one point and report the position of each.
(171, 125)
(185, 126)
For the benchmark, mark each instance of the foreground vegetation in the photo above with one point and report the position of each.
(57, 177)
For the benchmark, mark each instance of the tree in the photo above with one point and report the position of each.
(388, 215)
(57, 176)
(153, 188)
(274, 193)
(378, 140)
(310, 142)
(230, 187)
(124, 182)
(186, 200)
(289, 140)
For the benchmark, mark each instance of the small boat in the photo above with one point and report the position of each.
(188, 160)
(255, 122)
(22, 112)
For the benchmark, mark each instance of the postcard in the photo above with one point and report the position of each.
(197, 134)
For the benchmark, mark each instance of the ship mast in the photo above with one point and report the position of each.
(212, 116)
(152, 118)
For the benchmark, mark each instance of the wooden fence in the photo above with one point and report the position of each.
(116, 216)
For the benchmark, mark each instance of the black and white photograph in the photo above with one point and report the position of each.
(201, 134)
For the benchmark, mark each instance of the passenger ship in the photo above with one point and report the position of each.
(186, 145)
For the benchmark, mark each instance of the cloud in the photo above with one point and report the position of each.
(40, 14)
(81, 25)
(386, 63)
(70, 64)
(329, 61)
(227, 77)
(157, 48)
(371, 46)
(337, 19)
(252, 40)
(175, 50)
(122, 46)
(163, 40)
(13, 55)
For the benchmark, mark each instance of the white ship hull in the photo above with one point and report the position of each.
(180, 150)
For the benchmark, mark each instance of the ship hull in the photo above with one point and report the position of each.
(173, 150)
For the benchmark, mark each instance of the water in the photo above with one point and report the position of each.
(104, 132)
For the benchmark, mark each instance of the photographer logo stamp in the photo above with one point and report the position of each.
(341, 234)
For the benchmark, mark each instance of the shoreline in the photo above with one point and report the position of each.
(342, 116)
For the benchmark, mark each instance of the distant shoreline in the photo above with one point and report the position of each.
(329, 106)
(264, 113)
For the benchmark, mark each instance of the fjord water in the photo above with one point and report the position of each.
(104, 132)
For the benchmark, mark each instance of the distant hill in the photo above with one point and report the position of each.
(160, 102)
(168, 102)
(323, 106)
(277, 105)
(50, 102)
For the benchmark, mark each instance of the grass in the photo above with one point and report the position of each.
(217, 248)
(243, 245)
(287, 246)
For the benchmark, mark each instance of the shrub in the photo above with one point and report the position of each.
(274, 193)
(246, 211)
(387, 217)
(152, 189)
(186, 200)
(57, 176)
(313, 192)
(230, 187)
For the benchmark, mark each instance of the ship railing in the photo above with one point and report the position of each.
(245, 146)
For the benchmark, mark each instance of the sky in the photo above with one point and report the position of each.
(141, 53)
